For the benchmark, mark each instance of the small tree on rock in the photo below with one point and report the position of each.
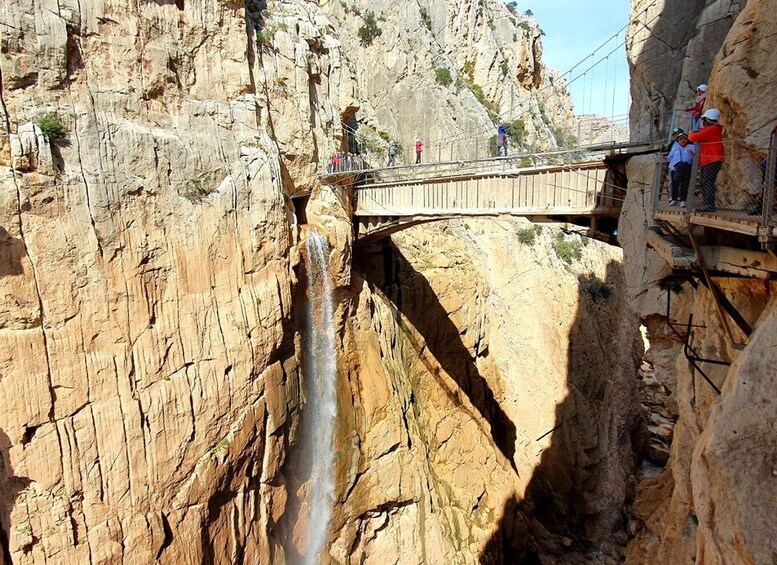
(370, 30)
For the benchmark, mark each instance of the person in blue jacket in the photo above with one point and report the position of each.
(680, 161)
(501, 140)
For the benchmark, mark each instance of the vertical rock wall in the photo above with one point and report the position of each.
(493, 403)
(710, 504)
(494, 59)
(147, 363)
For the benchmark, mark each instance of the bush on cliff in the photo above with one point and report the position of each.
(370, 30)
(443, 76)
(50, 124)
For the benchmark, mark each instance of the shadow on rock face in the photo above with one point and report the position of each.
(11, 253)
(417, 301)
(10, 487)
(573, 508)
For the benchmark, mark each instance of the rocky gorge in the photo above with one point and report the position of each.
(491, 385)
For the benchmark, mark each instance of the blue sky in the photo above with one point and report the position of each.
(573, 29)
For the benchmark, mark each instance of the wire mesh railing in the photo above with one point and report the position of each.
(589, 132)
(741, 187)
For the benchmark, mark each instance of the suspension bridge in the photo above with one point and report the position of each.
(583, 188)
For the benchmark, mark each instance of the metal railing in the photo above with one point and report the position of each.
(588, 134)
(741, 188)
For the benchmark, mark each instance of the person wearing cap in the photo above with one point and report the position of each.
(680, 161)
(698, 106)
(419, 146)
(711, 155)
(675, 133)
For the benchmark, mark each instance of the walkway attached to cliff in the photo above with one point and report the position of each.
(742, 199)
(584, 187)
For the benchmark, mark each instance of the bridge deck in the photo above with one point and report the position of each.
(578, 188)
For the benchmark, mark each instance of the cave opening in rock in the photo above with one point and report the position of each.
(300, 207)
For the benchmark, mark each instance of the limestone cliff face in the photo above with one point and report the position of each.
(492, 55)
(149, 346)
(709, 505)
(146, 271)
(492, 392)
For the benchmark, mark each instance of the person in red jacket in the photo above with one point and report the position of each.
(698, 106)
(418, 148)
(709, 140)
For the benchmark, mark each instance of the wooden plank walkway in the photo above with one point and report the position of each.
(573, 189)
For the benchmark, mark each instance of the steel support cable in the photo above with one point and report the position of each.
(568, 166)
(460, 135)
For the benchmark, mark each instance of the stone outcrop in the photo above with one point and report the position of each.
(710, 504)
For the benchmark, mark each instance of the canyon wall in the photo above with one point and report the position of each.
(150, 380)
(491, 65)
(493, 398)
(712, 504)
(147, 270)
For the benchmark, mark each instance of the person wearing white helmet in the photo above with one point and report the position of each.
(709, 139)
(698, 107)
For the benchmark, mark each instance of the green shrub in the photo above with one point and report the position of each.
(50, 124)
(567, 251)
(563, 139)
(468, 70)
(370, 30)
(197, 189)
(477, 90)
(527, 236)
(492, 148)
(505, 67)
(426, 19)
(266, 36)
(371, 140)
(443, 76)
(516, 131)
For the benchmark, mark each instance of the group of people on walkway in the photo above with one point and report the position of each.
(340, 162)
(708, 141)
(706, 138)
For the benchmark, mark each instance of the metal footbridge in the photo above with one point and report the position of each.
(584, 187)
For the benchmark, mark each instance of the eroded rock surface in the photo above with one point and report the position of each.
(709, 505)
(146, 308)
(494, 403)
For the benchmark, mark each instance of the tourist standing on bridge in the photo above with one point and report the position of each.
(501, 140)
(419, 146)
(680, 161)
(698, 107)
(711, 155)
(392, 154)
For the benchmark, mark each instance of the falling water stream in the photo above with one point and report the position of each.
(321, 403)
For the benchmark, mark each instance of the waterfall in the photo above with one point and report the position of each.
(320, 409)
